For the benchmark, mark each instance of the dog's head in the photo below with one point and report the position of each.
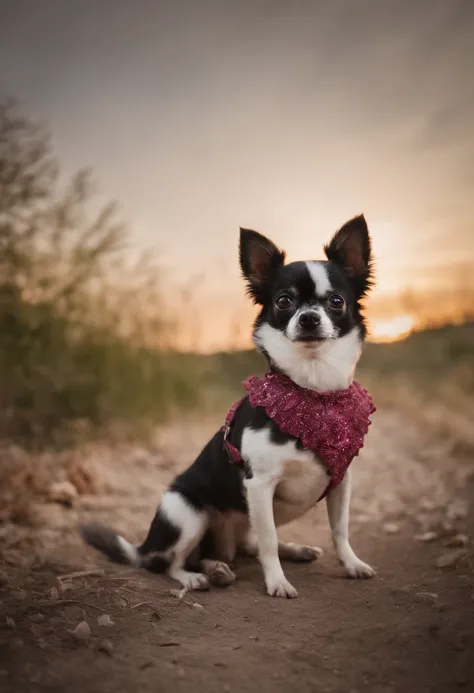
(311, 326)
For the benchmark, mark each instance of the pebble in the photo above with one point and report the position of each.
(106, 647)
(10, 622)
(391, 528)
(105, 620)
(62, 492)
(82, 631)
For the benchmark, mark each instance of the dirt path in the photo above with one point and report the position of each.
(410, 629)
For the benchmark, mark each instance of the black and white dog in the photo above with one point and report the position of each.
(311, 329)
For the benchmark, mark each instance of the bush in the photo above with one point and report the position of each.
(83, 336)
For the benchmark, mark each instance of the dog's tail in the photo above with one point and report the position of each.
(112, 545)
(152, 554)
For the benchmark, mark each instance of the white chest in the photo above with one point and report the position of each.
(298, 477)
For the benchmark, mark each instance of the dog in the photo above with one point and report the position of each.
(311, 330)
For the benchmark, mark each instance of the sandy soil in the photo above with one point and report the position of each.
(409, 629)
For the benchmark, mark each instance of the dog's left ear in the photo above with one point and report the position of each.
(259, 260)
(350, 248)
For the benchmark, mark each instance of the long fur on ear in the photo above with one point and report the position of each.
(259, 260)
(350, 248)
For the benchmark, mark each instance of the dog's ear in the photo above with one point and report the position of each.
(259, 260)
(350, 248)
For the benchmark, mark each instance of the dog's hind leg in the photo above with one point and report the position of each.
(191, 525)
(296, 553)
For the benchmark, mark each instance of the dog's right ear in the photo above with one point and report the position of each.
(259, 260)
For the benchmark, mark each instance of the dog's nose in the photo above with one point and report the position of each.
(309, 319)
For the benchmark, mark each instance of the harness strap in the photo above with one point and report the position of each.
(233, 453)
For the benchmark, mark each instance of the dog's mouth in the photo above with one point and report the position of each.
(310, 339)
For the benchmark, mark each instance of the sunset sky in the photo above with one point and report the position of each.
(288, 117)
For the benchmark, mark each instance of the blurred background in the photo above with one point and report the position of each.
(135, 139)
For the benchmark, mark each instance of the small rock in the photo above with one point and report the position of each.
(459, 540)
(199, 607)
(16, 644)
(426, 536)
(450, 558)
(106, 647)
(391, 528)
(10, 622)
(36, 618)
(62, 492)
(82, 631)
(54, 593)
(105, 620)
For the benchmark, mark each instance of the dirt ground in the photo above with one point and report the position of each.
(410, 629)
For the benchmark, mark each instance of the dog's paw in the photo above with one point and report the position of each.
(221, 575)
(302, 554)
(355, 568)
(281, 588)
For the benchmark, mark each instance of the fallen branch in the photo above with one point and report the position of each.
(57, 602)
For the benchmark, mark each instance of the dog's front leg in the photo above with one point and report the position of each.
(338, 502)
(260, 493)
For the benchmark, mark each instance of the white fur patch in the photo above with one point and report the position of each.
(129, 551)
(180, 513)
(299, 477)
(318, 366)
(320, 278)
(327, 330)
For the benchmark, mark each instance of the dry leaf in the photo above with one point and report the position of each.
(427, 536)
(450, 558)
(458, 541)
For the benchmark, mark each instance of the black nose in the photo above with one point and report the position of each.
(309, 319)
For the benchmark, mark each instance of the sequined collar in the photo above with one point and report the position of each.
(331, 424)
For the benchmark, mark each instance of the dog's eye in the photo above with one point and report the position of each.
(336, 303)
(284, 302)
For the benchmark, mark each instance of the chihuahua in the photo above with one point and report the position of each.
(257, 473)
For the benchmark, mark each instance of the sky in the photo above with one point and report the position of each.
(286, 117)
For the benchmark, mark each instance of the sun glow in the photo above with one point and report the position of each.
(392, 330)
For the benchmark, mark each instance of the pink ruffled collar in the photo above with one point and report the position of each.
(331, 424)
